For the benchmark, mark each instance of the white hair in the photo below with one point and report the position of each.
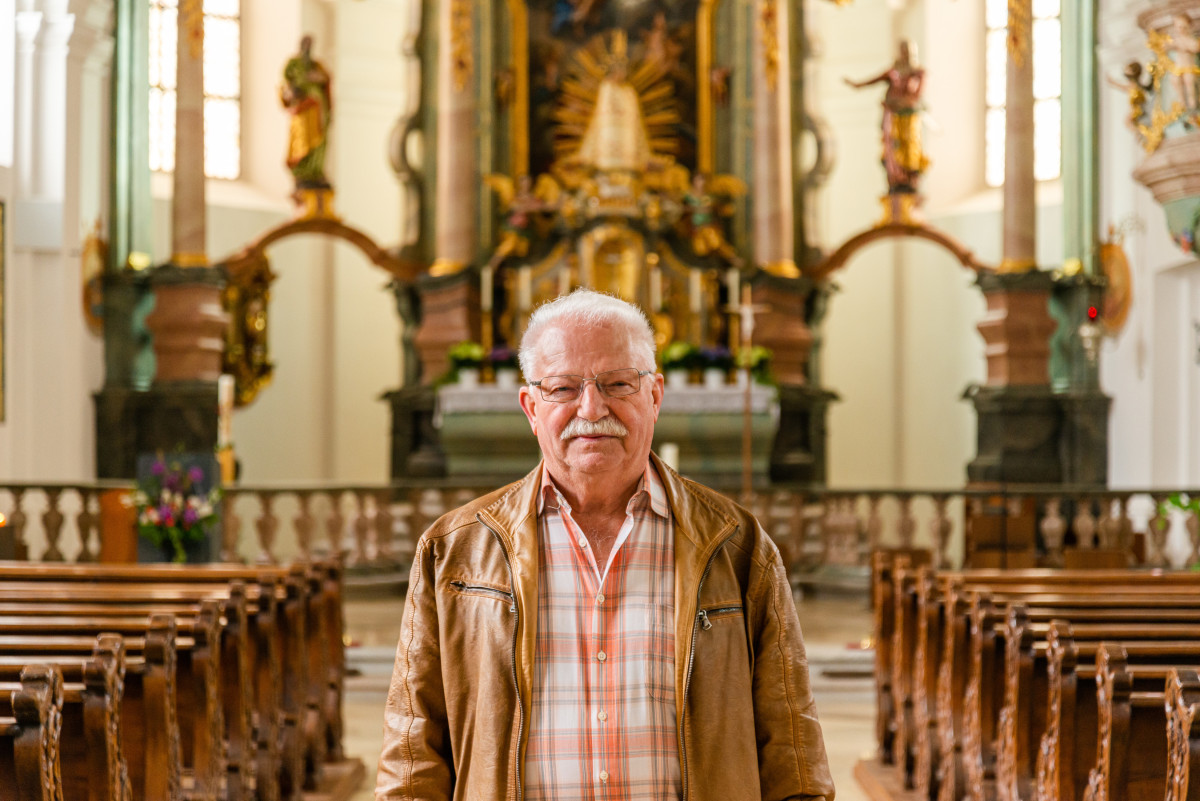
(586, 308)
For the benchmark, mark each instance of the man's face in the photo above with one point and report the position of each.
(588, 352)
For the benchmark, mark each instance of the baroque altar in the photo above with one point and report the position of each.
(644, 149)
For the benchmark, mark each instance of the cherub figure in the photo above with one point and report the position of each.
(706, 202)
(719, 78)
(1185, 71)
(1137, 86)
(523, 201)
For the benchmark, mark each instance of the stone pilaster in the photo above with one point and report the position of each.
(773, 218)
(457, 172)
(189, 210)
(779, 325)
(1020, 201)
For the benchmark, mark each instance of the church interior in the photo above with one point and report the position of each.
(923, 278)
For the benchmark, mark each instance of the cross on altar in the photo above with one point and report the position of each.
(745, 312)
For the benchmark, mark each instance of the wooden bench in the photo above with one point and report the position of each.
(30, 723)
(1183, 735)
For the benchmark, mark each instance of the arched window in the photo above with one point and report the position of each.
(222, 86)
(1047, 89)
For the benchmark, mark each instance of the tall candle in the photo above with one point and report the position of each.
(485, 289)
(694, 291)
(524, 289)
(731, 285)
(225, 389)
(655, 289)
(564, 280)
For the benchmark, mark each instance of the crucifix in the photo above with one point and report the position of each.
(745, 311)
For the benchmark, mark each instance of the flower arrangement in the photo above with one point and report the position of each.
(466, 355)
(716, 357)
(172, 511)
(680, 356)
(757, 360)
(503, 356)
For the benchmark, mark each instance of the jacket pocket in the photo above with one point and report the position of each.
(463, 588)
(660, 652)
(711, 614)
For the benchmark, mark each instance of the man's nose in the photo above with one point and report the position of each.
(593, 404)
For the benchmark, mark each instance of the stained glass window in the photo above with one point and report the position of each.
(222, 86)
(1047, 89)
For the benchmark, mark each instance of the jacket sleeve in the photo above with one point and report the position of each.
(791, 749)
(416, 761)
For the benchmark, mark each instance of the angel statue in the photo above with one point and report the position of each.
(706, 202)
(522, 201)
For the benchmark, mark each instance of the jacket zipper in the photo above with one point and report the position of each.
(701, 615)
(516, 626)
(704, 613)
(462, 586)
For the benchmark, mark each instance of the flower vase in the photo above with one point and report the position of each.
(468, 377)
(714, 378)
(506, 378)
(677, 379)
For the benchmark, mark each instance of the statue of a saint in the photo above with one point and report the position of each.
(305, 93)
(903, 158)
(615, 137)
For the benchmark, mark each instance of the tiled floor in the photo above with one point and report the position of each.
(835, 626)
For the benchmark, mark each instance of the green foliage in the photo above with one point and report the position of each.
(680, 356)
(757, 359)
(466, 354)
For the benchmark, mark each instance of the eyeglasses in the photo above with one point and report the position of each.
(612, 383)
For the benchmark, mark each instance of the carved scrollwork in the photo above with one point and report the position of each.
(1060, 669)
(104, 676)
(38, 710)
(1183, 730)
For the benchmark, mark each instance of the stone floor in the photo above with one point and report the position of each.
(835, 628)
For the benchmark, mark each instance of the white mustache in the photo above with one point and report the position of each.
(604, 427)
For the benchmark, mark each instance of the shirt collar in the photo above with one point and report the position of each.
(651, 487)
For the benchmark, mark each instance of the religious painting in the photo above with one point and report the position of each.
(574, 48)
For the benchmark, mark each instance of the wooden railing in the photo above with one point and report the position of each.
(818, 530)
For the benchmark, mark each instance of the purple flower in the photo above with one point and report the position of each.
(189, 516)
(158, 468)
(195, 474)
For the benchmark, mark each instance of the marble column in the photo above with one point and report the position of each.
(1020, 200)
(188, 321)
(772, 189)
(457, 172)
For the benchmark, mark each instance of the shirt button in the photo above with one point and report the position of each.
(602, 656)
(600, 598)
(602, 715)
(604, 775)
(583, 544)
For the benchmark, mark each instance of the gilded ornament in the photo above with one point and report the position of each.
(191, 17)
(461, 28)
(768, 29)
(1020, 30)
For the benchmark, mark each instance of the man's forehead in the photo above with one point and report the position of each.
(561, 346)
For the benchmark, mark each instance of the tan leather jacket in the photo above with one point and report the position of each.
(454, 726)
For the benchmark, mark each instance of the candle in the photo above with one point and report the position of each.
(731, 285)
(669, 453)
(694, 291)
(564, 280)
(524, 289)
(655, 289)
(485, 289)
(225, 388)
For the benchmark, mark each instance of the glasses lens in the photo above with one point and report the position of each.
(618, 383)
(561, 388)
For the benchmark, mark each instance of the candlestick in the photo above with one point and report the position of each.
(655, 289)
(225, 389)
(694, 291)
(564, 281)
(732, 279)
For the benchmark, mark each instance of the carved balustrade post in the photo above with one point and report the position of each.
(52, 520)
(1125, 523)
(1109, 526)
(1053, 530)
(907, 524)
(384, 530)
(363, 550)
(87, 521)
(336, 522)
(304, 523)
(1156, 532)
(1084, 522)
(941, 528)
(16, 522)
(231, 528)
(267, 525)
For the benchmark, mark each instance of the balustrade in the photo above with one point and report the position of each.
(817, 530)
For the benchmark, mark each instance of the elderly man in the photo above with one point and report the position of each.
(602, 628)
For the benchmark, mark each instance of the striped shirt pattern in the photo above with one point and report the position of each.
(602, 724)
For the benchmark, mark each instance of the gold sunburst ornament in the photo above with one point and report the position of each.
(612, 114)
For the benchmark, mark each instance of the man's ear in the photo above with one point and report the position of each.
(527, 405)
(656, 393)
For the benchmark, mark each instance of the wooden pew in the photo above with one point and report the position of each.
(149, 729)
(1132, 746)
(1183, 735)
(1035, 711)
(29, 732)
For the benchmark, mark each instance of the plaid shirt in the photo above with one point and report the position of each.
(602, 724)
